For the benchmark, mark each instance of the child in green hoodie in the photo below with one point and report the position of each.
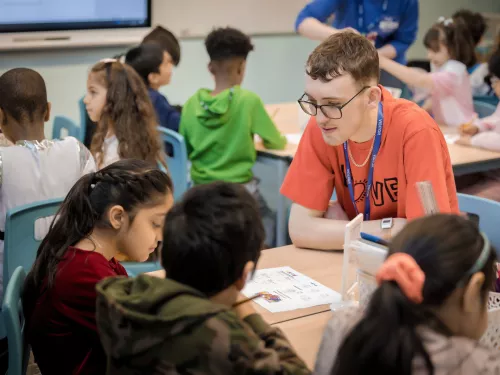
(190, 322)
(219, 125)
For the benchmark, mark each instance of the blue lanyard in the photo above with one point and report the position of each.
(376, 147)
(361, 12)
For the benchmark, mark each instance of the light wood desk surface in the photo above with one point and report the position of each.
(305, 335)
(323, 266)
(287, 120)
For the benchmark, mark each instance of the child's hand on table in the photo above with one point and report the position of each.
(469, 128)
(464, 140)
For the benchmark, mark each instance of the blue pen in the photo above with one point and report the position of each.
(375, 239)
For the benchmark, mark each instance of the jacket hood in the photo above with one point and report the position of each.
(214, 111)
(137, 314)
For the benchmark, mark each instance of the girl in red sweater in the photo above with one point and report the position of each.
(121, 208)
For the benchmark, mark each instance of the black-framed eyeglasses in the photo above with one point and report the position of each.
(332, 111)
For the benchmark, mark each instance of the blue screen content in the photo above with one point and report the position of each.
(47, 15)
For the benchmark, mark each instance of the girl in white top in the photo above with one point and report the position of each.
(429, 311)
(484, 133)
(451, 51)
(117, 99)
(33, 168)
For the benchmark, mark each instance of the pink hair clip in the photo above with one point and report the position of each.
(404, 270)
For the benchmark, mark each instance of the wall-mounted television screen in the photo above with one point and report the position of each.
(53, 20)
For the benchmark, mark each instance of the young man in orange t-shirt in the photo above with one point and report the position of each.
(390, 145)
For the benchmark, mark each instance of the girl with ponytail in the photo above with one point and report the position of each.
(450, 49)
(120, 208)
(429, 310)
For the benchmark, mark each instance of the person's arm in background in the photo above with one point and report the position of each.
(264, 127)
(409, 76)
(311, 20)
(427, 158)
(482, 133)
(168, 116)
(406, 33)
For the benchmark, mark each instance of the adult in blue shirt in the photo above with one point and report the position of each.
(393, 24)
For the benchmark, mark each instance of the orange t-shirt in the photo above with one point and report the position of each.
(412, 149)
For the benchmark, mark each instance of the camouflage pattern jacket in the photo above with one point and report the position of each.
(157, 326)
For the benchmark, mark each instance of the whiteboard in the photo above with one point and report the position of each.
(196, 18)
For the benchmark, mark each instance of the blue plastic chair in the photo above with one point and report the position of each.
(490, 99)
(62, 122)
(13, 319)
(488, 212)
(178, 162)
(483, 109)
(20, 245)
(136, 268)
(83, 119)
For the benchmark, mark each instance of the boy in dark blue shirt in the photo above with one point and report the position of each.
(154, 65)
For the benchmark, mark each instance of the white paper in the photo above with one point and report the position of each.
(451, 138)
(294, 138)
(286, 289)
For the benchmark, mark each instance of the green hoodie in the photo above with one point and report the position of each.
(149, 325)
(219, 133)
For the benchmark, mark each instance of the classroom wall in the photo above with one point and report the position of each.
(274, 69)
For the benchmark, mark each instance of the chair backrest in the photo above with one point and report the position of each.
(135, 268)
(83, 119)
(483, 109)
(20, 244)
(178, 162)
(13, 318)
(62, 122)
(488, 212)
(490, 99)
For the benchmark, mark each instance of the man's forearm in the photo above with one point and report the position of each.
(313, 29)
(318, 233)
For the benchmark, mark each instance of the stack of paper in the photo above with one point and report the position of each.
(451, 138)
(294, 138)
(285, 289)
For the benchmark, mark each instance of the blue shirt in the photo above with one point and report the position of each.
(397, 25)
(168, 116)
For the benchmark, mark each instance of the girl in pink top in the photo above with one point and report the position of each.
(484, 133)
(451, 51)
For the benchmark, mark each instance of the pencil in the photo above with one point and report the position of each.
(247, 300)
(275, 113)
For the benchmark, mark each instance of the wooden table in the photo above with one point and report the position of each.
(465, 160)
(304, 327)
(322, 266)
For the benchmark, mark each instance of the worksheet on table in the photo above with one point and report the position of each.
(284, 289)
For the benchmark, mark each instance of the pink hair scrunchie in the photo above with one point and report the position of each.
(404, 270)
